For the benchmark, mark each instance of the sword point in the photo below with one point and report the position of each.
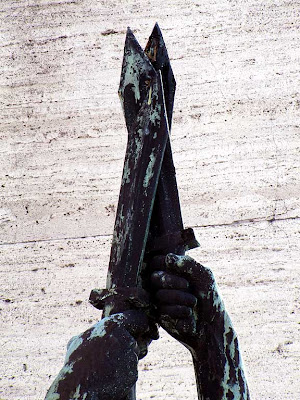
(157, 30)
(131, 41)
(137, 73)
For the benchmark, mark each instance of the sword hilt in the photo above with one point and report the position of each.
(120, 299)
(117, 300)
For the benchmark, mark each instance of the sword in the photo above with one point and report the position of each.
(142, 101)
(148, 219)
(166, 230)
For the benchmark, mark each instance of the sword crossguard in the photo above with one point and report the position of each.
(119, 299)
(168, 243)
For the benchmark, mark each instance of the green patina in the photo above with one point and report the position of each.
(130, 76)
(155, 114)
(150, 170)
(126, 173)
(52, 393)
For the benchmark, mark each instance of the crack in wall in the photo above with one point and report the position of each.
(270, 219)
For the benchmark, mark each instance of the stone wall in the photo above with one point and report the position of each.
(236, 145)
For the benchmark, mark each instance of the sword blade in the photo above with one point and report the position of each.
(166, 218)
(142, 98)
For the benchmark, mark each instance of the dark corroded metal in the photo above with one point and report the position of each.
(158, 55)
(148, 189)
(148, 219)
(142, 97)
(142, 100)
(166, 229)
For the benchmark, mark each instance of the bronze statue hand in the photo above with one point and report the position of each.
(190, 308)
(186, 297)
(101, 363)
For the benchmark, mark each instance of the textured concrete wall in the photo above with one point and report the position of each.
(236, 147)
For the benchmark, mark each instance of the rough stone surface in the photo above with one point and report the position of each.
(236, 148)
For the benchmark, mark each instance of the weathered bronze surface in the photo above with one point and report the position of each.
(148, 219)
(166, 220)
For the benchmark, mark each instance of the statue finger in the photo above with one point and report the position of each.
(177, 312)
(175, 297)
(164, 280)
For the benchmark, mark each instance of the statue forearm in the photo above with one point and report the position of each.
(218, 364)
